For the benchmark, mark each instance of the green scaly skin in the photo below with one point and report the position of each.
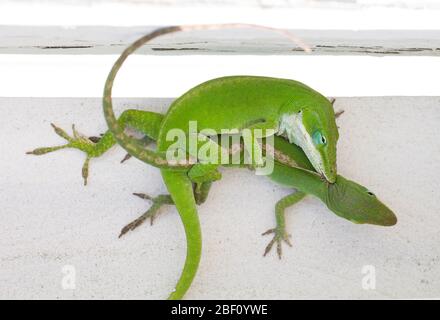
(294, 109)
(345, 198)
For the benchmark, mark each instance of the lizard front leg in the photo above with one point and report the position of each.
(146, 122)
(279, 231)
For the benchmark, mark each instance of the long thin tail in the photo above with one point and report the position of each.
(181, 191)
(130, 144)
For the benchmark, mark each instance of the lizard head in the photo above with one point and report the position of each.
(356, 203)
(311, 125)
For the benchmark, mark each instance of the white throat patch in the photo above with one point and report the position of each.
(291, 125)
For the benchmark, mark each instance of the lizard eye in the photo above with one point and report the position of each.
(370, 193)
(318, 138)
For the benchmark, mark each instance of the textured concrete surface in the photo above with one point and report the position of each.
(51, 225)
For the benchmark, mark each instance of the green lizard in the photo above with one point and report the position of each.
(285, 106)
(303, 115)
(345, 198)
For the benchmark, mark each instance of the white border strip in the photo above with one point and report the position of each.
(299, 17)
(161, 76)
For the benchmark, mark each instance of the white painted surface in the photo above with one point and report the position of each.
(410, 4)
(159, 76)
(50, 220)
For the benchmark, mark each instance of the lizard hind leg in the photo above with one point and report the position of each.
(279, 231)
(201, 192)
(151, 213)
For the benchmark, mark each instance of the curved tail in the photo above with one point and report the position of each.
(156, 159)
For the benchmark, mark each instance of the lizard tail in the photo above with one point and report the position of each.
(156, 159)
(180, 188)
(129, 144)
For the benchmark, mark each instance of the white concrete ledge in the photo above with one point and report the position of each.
(50, 220)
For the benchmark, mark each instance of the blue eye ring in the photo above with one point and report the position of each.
(318, 138)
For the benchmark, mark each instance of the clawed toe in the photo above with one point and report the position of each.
(268, 232)
(339, 113)
(134, 224)
(278, 238)
(142, 196)
(127, 156)
(44, 150)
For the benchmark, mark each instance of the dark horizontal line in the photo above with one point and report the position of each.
(175, 49)
(63, 47)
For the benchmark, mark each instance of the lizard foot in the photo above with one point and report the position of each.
(280, 235)
(338, 113)
(151, 213)
(78, 141)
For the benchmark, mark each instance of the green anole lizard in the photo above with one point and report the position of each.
(346, 198)
(303, 115)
